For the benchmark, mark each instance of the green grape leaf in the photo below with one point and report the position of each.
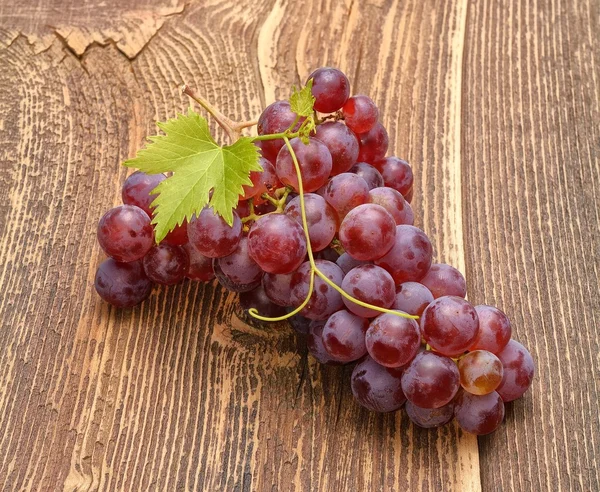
(199, 166)
(302, 101)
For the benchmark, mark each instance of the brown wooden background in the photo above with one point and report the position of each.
(496, 105)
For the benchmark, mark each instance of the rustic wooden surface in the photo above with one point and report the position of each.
(496, 104)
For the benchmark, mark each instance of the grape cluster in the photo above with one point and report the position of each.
(457, 361)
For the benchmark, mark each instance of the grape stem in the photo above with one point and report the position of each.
(232, 128)
(314, 270)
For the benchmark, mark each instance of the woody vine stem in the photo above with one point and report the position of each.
(233, 131)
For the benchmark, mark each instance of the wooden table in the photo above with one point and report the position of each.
(495, 104)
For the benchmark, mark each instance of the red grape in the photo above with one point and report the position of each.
(373, 145)
(314, 160)
(331, 89)
(431, 380)
(212, 236)
(397, 174)
(412, 298)
(518, 371)
(479, 414)
(494, 329)
(394, 203)
(393, 341)
(238, 272)
(449, 325)
(342, 144)
(200, 266)
(344, 336)
(410, 256)
(277, 243)
(125, 233)
(321, 219)
(367, 172)
(360, 113)
(137, 188)
(368, 232)
(166, 264)
(376, 387)
(347, 263)
(444, 280)
(345, 192)
(122, 284)
(370, 284)
(324, 300)
(278, 288)
(276, 118)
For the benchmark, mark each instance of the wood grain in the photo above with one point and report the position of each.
(496, 106)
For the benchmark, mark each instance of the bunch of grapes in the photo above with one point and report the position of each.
(326, 232)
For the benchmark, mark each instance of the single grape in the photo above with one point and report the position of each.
(324, 300)
(342, 144)
(257, 299)
(479, 414)
(277, 243)
(360, 113)
(394, 203)
(320, 216)
(367, 172)
(328, 254)
(264, 181)
(393, 341)
(137, 188)
(449, 325)
(412, 298)
(212, 236)
(278, 288)
(428, 418)
(178, 236)
(368, 232)
(314, 160)
(480, 372)
(518, 371)
(431, 380)
(125, 233)
(122, 284)
(166, 264)
(373, 145)
(344, 336)
(397, 174)
(377, 388)
(370, 284)
(330, 88)
(300, 324)
(347, 263)
(200, 266)
(238, 272)
(494, 329)
(444, 280)
(314, 342)
(345, 192)
(276, 118)
(409, 258)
